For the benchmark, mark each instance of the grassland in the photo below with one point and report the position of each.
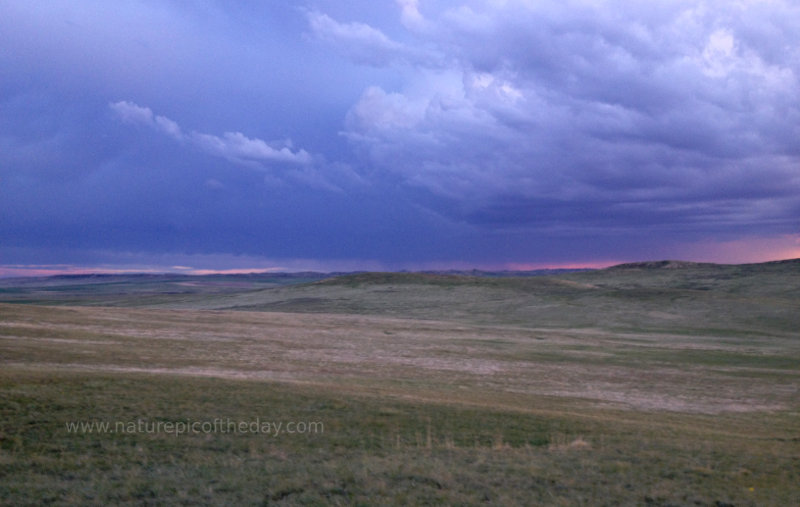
(659, 384)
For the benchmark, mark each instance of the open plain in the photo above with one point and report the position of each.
(653, 383)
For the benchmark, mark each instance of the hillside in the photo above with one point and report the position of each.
(683, 297)
(658, 383)
(762, 298)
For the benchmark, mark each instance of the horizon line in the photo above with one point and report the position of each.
(51, 270)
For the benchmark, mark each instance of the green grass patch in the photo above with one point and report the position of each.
(370, 451)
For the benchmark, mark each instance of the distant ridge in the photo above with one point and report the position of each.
(505, 273)
(675, 264)
(668, 264)
(785, 261)
(257, 276)
(435, 277)
(158, 276)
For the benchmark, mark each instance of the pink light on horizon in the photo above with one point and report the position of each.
(531, 266)
(746, 251)
(238, 271)
(23, 271)
(18, 270)
(741, 251)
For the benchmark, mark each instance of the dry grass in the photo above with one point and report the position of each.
(636, 397)
(416, 358)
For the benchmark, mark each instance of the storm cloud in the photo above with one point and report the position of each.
(681, 114)
(398, 134)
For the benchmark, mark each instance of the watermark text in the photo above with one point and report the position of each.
(219, 425)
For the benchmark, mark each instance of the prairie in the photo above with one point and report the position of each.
(653, 383)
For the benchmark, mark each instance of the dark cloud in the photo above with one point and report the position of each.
(551, 107)
(397, 133)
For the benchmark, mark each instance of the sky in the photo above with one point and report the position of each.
(144, 135)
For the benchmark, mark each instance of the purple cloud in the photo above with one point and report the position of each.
(594, 101)
(406, 132)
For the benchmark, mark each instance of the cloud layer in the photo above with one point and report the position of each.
(597, 114)
(399, 134)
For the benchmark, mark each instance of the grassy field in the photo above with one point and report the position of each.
(650, 384)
